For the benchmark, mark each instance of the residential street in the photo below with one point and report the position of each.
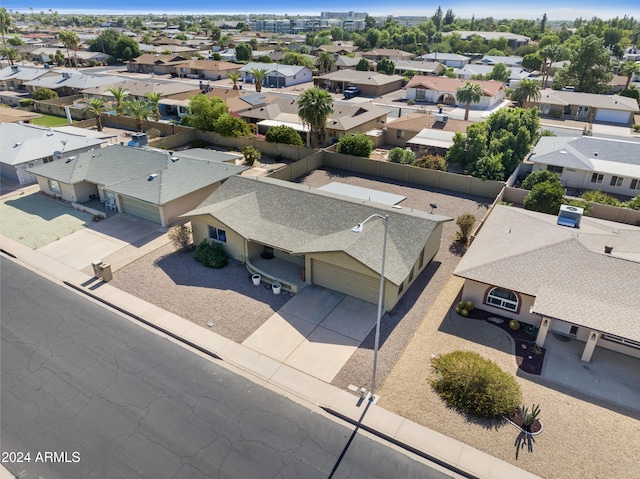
(113, 400)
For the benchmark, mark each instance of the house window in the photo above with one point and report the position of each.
(502, 298)
(55, 186)
(421, 258)
(616, 181)
(410, 276)
(400, 288)
(544, 108)
(400, 134)
(48, 159)
(635, 184)
(555, 169)
(597, 178)
(217, 234)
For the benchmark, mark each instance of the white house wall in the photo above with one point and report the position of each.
(476, 292)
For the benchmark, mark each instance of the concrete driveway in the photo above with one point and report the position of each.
(316, 332)
(117, 240)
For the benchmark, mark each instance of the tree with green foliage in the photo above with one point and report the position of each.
(106, 42)
(499, 73)
(545, 197)
(71, 41)
(259, 74)
(633, 204)
(12, 55)
(230, 125)
(589, 70)
(95, 105)
(386, 66)
(437, 18)
(597, 196)
(314, 107)
(5, 23)
(139, 110)
(120, 94)
(235, 77)
(629, 68)
(295, 58)
(42, 93)
(532, 61)
(631, 92)
(284, 134)
(203, 112)
(490, 167)
(127, 49)
(363, 65)
(401, 155)
(467, 94)
(154, 99)
(465, 222)
(431, 162)
(251, 155)
(549, 54)
(244, 52)
(539, 176)
(525, 91)
(215, 34)
(15, 42)
(325, 61)
(355, 145)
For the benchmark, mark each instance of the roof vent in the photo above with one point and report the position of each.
(608, 249)
(17, 145)
(152, 176)
(570, 216)
(174, 159)
(595, 154)
(70, 159)
(563, 152)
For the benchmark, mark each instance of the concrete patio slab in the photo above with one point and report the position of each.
(279, 336)
(313, 303)
(322, 354)
(352, 317)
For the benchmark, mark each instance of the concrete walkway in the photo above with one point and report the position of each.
(461, 459)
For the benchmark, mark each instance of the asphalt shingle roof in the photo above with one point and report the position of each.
(565, 269)
(304, 220)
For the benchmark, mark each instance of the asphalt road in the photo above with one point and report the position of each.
(113, 400)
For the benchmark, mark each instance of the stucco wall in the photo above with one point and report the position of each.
(175, 208)
(235, 243)
(477, 292)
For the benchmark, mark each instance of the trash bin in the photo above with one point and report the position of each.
(96, 268)
(105, 272)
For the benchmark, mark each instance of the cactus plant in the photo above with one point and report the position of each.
(530, 417)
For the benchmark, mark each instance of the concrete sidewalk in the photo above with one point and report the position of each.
(461, 460)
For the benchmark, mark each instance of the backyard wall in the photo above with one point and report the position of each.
(288, 152)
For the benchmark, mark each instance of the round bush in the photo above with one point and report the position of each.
(513, 324)
(464, 312)
(468, 305)
(477, 386)
(211, 255)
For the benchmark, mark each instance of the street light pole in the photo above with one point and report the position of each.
(358, 229)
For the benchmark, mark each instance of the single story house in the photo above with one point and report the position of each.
(154, 63)
(344, 62)
(493, 60)
(311, 231)
(139, 88)
(23, 146)
(203, 69)
(341, 49)
(69, 82)
(278, 75)
(158, 186)
(516, 74)
(178, 104)
(394, 54)
(14, 76)
(420, 67)
(589, 163)
(443, 90)
(449, 59)
(589, 107)
(46, 54)
(370, 83)
(577, 282)
(400, 131)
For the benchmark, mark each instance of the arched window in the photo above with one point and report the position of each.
(503, 298)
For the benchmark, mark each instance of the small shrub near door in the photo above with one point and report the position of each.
(212, 255)
(180, 236)
(472, 384)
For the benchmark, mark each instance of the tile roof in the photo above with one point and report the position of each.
(489, 87)
(566, 270)
(127, 170)
(303, 220)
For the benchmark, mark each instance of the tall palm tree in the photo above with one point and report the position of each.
(235, 77)
(71, 41)
(120, 94)
(139, 110)
(154, 98)
(467, 94)
(629, 68)
(5, 22)
(549, 53)
(96, 105)
(11, 54)
(526, 90)
(325, 61)
(314, 107)
(259, 74)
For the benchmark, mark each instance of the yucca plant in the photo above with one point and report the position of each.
(530, 417)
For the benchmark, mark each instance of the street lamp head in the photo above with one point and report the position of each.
(357, 228)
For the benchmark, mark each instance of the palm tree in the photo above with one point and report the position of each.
(550, 53)
(629, 68)
(119, 95)
(5, 22)
(314, 108)
(467, 94)
(96, 106)
(259, 74)
(526, 90)
(11, 54)
(71, 41)
(234, 77)
(139, 110)
(325, 61)
(154, 98)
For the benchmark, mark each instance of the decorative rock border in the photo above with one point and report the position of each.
(522, 430)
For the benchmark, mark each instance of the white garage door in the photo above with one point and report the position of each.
(345, 281)
(141, 209)
(612, 116)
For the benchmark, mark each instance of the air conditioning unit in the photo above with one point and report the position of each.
(441, 117)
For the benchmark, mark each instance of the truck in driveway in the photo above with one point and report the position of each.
(351, 91)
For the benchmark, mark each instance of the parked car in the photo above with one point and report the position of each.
(351, 91)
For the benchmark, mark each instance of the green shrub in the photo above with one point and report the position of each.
(180, 236)
(42, 93)
(465, 222)
(475, 385)
(212, 255)
(283, 134)
(547, 133)
(597, 196)
(26, 102)
(633, 204)
(411, 102)
(432, 162)
(515, 325)
(529, 417)
(400, 155)
(251, 155)
(355, 145)
(636, 127)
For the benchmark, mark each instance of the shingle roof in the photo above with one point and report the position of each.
(566, 270)
(286, 70)
(138, 88)
(71, 80)
(489, 87)
(361, 78)
(128, 170)
(606, 102)
(304, 220)
(18, 72)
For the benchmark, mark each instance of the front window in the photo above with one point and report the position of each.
(55, 186)
(635, 184)
(217, 234)
(555, 169)
(544, 108)
(616, 181)
(400, 134)
(503, 298)
(597, 178)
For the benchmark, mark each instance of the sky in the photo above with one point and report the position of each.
(465, 9)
